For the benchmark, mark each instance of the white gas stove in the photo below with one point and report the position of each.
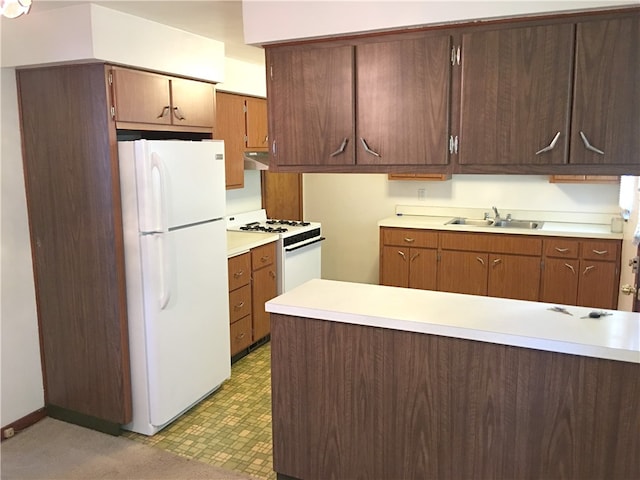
(298, 247)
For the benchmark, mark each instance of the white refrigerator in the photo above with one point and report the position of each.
(173, 206)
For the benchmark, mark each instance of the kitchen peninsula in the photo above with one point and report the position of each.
(372, 381)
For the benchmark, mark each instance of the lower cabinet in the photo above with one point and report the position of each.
(409, 258)
(581, 272)
(569, 271)
(252, 282)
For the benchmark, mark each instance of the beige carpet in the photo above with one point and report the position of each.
(52, 449)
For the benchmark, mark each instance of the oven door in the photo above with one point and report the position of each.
(300, 263)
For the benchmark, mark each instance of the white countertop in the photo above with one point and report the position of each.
(495, 320)
(241, 242)
(549, 228)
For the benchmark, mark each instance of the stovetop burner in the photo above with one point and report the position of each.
(291, 223)
(256, 227)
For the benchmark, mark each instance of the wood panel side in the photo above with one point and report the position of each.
(74, 210)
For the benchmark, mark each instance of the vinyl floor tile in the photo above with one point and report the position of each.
(232, 427)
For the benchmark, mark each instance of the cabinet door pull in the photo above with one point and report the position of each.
(414, 256)
(341, 148)
(177, 114)
(561, 250)
(550, 146)
(588, 146)
(240, 337)
(586, 270)
(409, 240)
(238, 274)
(600, 252)
(570, 267)
(480, 259)
(164, 111)
(238, 306)
(367, 149)
(272, 274)
(497, 261)
(401, 253)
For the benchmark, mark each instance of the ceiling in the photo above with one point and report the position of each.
(219, 20)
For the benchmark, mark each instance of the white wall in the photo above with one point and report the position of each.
(22, 388)
(349, 207)
(269, 21)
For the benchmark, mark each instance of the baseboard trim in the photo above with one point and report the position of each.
(24, 422)
(83, 420)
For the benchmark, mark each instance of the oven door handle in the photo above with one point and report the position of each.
(320, 239)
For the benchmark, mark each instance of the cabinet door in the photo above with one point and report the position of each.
(141, 97)
(282, 195)
(560, 281)
(256, 120)
(423, 264)
(395, 266)
(193, 103)
(463, 272)
(516, 85)
(230, 128)
(403, 101)
(264, 289)
(311, 106)
(606, 106)
(598, 284)
(514, 276)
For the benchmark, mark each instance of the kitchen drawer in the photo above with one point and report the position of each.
(239, 303)
(409, 237)
(239, 271)
(240, 334)
(263, 256)
(600, 250)
(561, 248)
(491, 242)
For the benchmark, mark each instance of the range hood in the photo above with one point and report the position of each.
(256, 160)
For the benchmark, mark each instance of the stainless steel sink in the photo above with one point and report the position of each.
(528, 224)
(471, 221)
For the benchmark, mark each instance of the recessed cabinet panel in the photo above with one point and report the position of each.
(516, 86)
(403, 101)
(606, 108)
(311, 106)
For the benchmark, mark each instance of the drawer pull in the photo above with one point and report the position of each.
(409, 240)
(264, 258)
(238, 274)
(570, 267)
(480, 259)
(586, 270)
(600, 252)
(238, 306)
(561, 250)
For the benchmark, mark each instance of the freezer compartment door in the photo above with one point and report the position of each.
(178, 182)
(186, 317)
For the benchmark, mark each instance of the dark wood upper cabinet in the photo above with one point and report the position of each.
(311, 101)
(558, 94)
(606, 107)
(147, 101)
(402, 90)
(515, 101)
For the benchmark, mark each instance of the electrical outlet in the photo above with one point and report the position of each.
(8, 432)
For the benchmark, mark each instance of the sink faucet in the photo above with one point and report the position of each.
(496, 217)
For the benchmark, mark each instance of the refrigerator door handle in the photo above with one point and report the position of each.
(165, 273)
(159, 196)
